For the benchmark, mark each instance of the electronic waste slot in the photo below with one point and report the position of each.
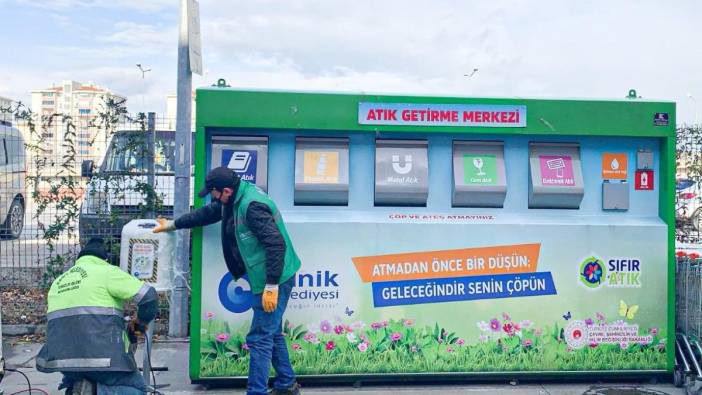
(321, 171)
(401, 173)
(247, 156)
(555, 175)
(479, 174)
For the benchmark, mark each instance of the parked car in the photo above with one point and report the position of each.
(12, 181)
(688, 203)
(114, 194)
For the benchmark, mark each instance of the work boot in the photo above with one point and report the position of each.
(84, 387)
(292, 390)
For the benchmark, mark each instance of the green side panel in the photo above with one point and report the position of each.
(223, 107)
(196, 281)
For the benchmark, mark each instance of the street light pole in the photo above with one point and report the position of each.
(694, 105)
(178, 318)
(143, 85)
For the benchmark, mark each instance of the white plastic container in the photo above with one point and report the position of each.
(146, 255)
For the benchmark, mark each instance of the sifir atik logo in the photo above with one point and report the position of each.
(618, 272)
(322, 285)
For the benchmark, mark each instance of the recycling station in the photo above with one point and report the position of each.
(447, 237)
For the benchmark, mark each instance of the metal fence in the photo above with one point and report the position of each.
(65, 179)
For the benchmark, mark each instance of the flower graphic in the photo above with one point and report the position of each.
(589, 322)
(527, 343)
(314, 328)
(222, 337)
(311, 338)
(506, 317)
(661, 345)
(483, 326)
(600, 317)
(351, 338)
(325, 326)
(245, 346)
(339, 329)
(362, 347)
(509, 329)
(449, 349)
(296, 347)
(408, 323)
(209, 315)
(483, 338)
(460, 342)
(538, 332)
(653, 331)
(526, 324)
(358, 325)
(495, 325)
(623, 345)
(593, 344)
(384, 323)
(330, 346)
(396, 336)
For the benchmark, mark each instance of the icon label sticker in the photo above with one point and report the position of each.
(480, 169)
(556, 170)
(321, 167)
(614, 166)
(243, 162)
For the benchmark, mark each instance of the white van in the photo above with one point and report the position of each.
(12, 181)
(114, 193)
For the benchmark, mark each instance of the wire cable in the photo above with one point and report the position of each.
(29, 383)
(147, 345)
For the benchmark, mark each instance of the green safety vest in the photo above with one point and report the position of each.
(85, 319)
(253, 254)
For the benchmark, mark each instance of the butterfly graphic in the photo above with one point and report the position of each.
(567, 316)
(627, 311)
(348, 311)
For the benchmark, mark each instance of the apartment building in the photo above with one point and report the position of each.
(67, 108)
(5, 103)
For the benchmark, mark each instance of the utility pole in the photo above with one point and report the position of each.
(178, 314)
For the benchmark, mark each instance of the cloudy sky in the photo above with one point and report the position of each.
(584, 49)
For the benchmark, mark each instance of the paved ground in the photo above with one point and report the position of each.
(174, 356)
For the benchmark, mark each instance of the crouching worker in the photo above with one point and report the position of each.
(87, 339)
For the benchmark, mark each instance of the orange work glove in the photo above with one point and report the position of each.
(164, 225)
(269, 300)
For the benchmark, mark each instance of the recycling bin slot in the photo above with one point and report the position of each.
(555, 176)
(479, 174)
(401, 173)
(321, 171)
(247, 156)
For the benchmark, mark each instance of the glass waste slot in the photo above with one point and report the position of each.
(321, 171)
(479, 174)
(555, 175)
(401, 173)
(247, 156)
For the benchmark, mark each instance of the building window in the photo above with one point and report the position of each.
(84, 111)
(47, 102)
(48, 94)
(47, 135)
(85, 152)
(84, 143)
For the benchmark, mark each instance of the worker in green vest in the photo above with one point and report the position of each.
(254, 242)
(86, 337)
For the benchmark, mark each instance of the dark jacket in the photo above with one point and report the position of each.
(258, 218)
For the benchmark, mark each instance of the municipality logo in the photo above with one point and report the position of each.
(235, 296)
(592, 272)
